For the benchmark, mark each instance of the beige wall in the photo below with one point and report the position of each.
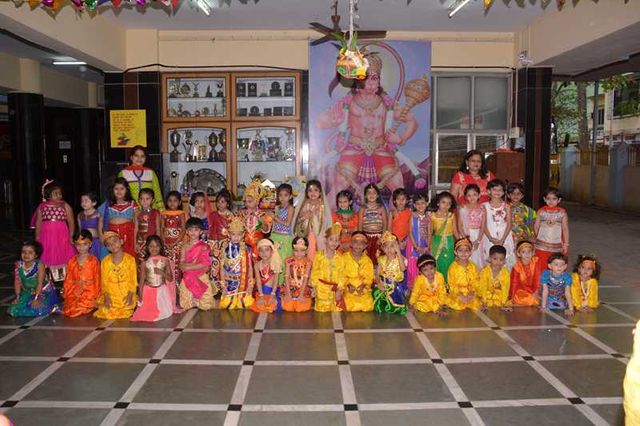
(631, 199)
(581, 184)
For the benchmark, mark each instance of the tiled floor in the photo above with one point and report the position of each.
(231, 368)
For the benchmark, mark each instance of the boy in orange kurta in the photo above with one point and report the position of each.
(82, 283)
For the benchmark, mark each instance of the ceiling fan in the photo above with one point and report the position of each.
(335, 20)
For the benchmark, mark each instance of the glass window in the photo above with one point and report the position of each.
(489, 143)
(450, 150)
(490, 103)
(453, 103)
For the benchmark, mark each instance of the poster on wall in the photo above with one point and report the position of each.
(128, 128)
(375, 130)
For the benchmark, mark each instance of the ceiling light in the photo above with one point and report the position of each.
(204, 6)
(69, 63)
(457, 6)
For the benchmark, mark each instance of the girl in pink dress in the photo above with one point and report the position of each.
(157, 286)
(54, 224)
(470, 220)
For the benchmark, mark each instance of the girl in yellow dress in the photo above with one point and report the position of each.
(463, 279)
(327, 273)
(359, 275)
(390, 296)
(118, 281)
(584, 290)
(444, 228)
(429, 293)
(494, 280)
(236, 270)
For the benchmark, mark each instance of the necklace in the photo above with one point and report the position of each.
(369, 104)
(585, 292)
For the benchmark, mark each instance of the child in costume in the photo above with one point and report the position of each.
(266, 271)
(172, 231)
(494, 281)
(497, 223)
(54, 224)
(236, 270)
(195, 287)
(119, 214)
(390, 296)
(327, 273)
(463, 279)
(297, 292)
(218, 236)
(200, 208)
(631, 383)
(256, 223)
(523, 217)
(82, 283)
(419, 237)
(157, 287)
(90, 219)
(584, 290)
(281, 231)
(35, 295)
(372, 219)
(148, 222)
(313, 217)
(471, 217)
(345, 216)
(118, 280)
(551, 227)
(443, 225)
(400, 221)
(358, 275)
(556, 285)
(525, 276)
(429, 293)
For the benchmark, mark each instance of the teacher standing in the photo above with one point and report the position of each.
(472, 170)
(140, 177)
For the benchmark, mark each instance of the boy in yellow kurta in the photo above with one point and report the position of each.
(495, 280)
(463, 279)
(118, 281)
(327, 273)
(429, 293)
(359, 275)
(584, 290)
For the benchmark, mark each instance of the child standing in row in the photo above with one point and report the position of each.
(419, 236)
(82, 283)
(358, 276)
(118, 282)
(195, 288)
(218, 235)
(443, 224)
(35, 294)
(157, 287)
(236, 269)
(551, 227)
(148, 220)
(372, 219)
(297, 293)
(256, 223)
(281, 232)
(200, 208)
(90, 219)
(497, 222)
(584, 288)
(345, 216)
(389, 296)
(523, 217)
(400, 222)
(172, 230)
(429, 293)
(313, 217)
(471, 217)
(120, 215)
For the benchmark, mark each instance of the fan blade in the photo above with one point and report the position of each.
(321, 40)
(319, 27)
(372, 34)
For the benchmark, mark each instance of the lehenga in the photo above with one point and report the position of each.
(28, 279)
(393, 298)
(158, 295)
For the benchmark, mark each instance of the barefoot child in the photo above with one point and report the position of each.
(556, 285)
(429, 293)
(419, 236)
(551, 227)
(297, 292)
(359, 275)
(494, 281)
(525, 277)
(470, 221)
(148, 221)
(497, 223)
(236, 270)
(372, 219)
(400, 219)
(195, 288)
(584, 290)
(266, 271)
(443, 225)
(463, 279)
(390, 295)
(327, 273)
(82, 283)
(118, 280)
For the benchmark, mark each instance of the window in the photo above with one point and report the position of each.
(625, 100)
(454, 106)
(451, 150)
(600, 118)
(490, 103)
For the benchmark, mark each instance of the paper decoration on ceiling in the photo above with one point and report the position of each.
(82, 5)
(543, 3)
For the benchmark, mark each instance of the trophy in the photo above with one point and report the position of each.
(243, 149)
(195, 90)
(187, 146)
(275, 89)
(213, 143)
(273, 149)
(288, 88)
(222, 152)
(289, 145)
(202, 151)
(196, 151)
(220, 93)
(208, 94)
(257, 147)
(174, 86)
(174, 139)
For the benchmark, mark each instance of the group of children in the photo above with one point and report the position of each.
(130, 260)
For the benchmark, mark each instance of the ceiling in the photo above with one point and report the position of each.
(419, 15)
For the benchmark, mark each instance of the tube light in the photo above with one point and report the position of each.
(69, 63)
(460, 5)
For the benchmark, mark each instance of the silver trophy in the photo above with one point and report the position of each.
(174, 139)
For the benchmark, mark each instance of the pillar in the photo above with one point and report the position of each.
(87, 138)
(26, 128)
(534, 118)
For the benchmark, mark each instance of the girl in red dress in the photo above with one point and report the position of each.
(148, 222)
(172, 224)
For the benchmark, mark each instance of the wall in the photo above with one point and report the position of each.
(631, 188)
(581, 185)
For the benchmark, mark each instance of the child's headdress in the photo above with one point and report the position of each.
(463, 242)
(109, 234)
(254, 190)
(300, 244)
(387, 237)
(275, 263)
(236, 225)
(333, 230)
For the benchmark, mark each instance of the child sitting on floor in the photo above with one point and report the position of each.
(494, 280)
(390, 295)
(429, 293)
(359, 275)
(584, 289)
(297, 292)
(525, 276)
(82, 283)
(463, 278)
(556, 285)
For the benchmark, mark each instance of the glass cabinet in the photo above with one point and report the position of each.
(194, 97)
(274, 97)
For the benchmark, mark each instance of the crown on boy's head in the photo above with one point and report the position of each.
(236, 225)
